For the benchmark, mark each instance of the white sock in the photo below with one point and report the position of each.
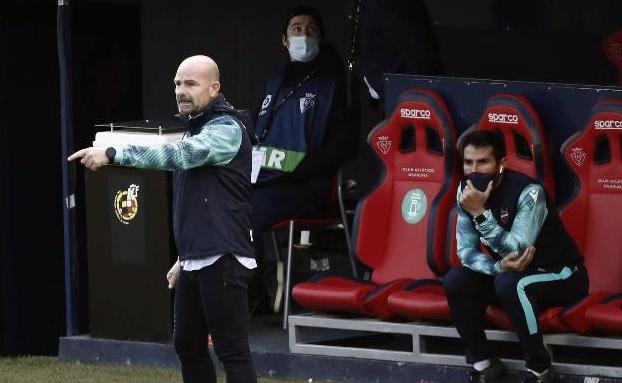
(481, 365)
(538, 374)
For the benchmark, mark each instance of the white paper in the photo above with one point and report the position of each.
(258, 156)
(304, 237)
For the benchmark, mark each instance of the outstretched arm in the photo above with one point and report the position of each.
(216, 144)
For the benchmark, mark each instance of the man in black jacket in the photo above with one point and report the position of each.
(211, 222)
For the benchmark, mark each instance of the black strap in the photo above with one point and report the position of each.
(280, 103)
(355, 19)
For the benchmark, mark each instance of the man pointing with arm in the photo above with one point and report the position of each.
(211, 222)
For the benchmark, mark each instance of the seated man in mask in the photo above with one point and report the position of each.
(535, 263)
(304, 133)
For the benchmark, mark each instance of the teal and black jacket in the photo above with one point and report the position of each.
(211, 182)
(519, 214)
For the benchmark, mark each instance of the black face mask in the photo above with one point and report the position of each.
(481, 180)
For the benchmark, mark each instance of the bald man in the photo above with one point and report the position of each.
(211, 222)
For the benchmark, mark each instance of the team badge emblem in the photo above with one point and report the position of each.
(307, 102)
(577, 156)
(384, 144)
(126, 204)
(505, 215)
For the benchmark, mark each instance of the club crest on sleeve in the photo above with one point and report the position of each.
(534, 195)
(504, 214)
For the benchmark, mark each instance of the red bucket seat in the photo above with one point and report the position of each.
(399, 228)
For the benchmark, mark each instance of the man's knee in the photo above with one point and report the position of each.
(457, 281)
(505, 285)
(187, 346)
(233, 350)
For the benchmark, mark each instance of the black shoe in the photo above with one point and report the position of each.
(493, 373)
(547, 377)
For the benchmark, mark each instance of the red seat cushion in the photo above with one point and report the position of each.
(341, 295)
(548, 321)
(376, 300)
(333, 294)
(423, 299)
(574, 316)
(607, 315)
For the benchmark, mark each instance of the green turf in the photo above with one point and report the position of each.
(50, 370)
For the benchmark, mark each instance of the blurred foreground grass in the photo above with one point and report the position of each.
(51, 370)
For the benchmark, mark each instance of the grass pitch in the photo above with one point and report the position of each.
(51, 370)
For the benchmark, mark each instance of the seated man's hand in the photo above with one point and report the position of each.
(92, 158)
(515, 261)
(472, 200)
(173, 275)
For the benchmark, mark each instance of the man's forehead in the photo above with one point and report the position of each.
(188, 74)
(478, 151)
(302, 19)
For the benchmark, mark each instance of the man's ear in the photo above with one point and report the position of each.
(502, 164)
(214, 88)
(285, 41)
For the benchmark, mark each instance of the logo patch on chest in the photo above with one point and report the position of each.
(307, 102)
(265, 104)
(505, 215)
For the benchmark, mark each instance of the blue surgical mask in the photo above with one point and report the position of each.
(481, 180)
(303, 48)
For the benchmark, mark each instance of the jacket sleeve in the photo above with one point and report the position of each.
(468, 239)
(216, 144)
(530, 215)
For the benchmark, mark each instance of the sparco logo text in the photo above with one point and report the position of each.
(503, 118)
(415, 113)
(608, 124)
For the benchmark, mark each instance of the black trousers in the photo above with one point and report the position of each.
(523, 296)
(213, 301)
